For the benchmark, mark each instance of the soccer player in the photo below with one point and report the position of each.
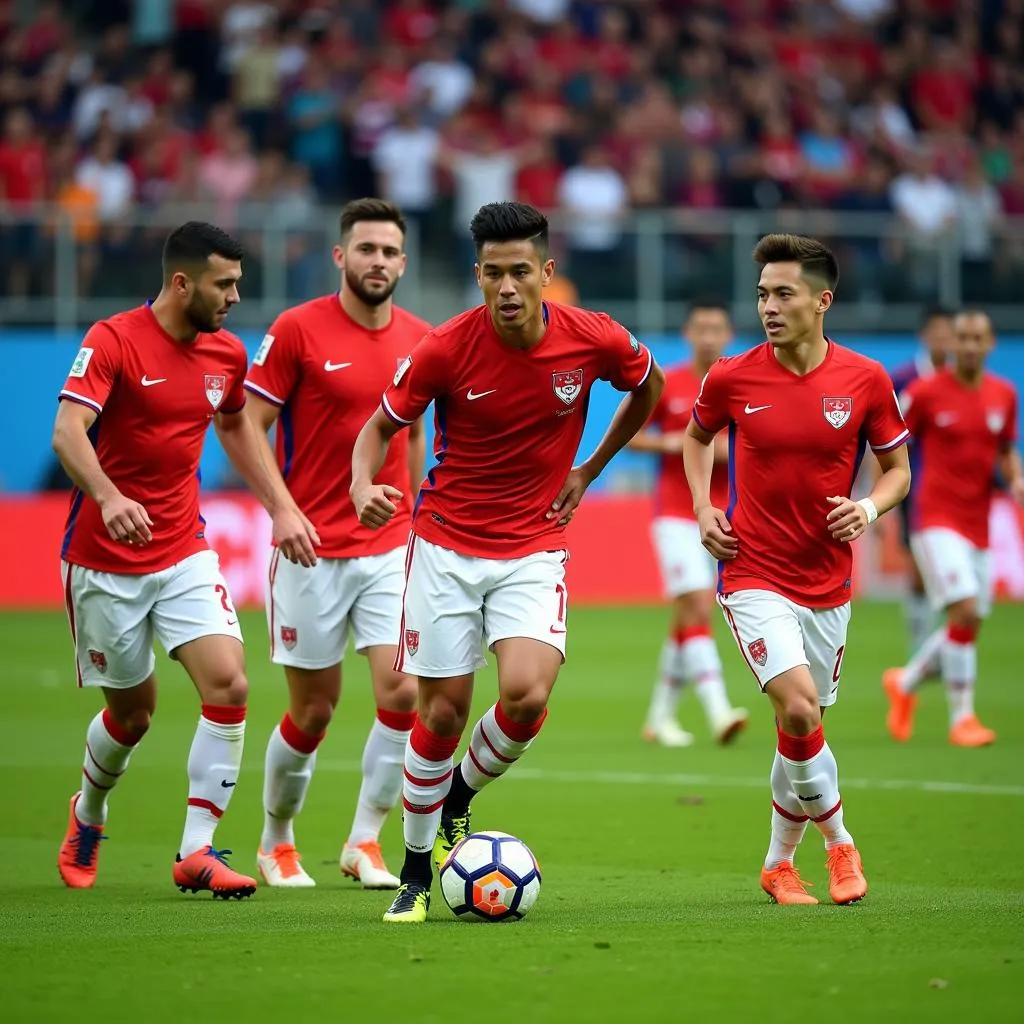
(688, 572)
(936, 336)
(800, 410)
(964, 424)
(319, 374)
(129, 432)
(510, 381)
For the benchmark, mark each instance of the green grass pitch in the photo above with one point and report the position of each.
(650, 908)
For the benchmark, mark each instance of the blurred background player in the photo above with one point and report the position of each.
(510, 381)
(688, 572)
(130, 427)
(800, 410)
(322, 369)
(936, 339)
(964, 425)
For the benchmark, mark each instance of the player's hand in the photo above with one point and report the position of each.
(126, 520)
(296, 537)
(375, 505)
(564, 506)
(672, 442)
(1017, 490)
(716, 533)
(848, 520)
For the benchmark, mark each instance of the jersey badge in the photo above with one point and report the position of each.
(403, 367)
(263, 351)
(837, 410)
(289, 636)
(759, 651)
(412, 640)
(995, 420)
(99, 659)
(216, 383)
(81, 363)
(567, 385)
(634, 345)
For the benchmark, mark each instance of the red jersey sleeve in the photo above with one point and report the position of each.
(627, 362)
(711, 410)
(419, 380)
(234, 401)
(886, 428)
(95, 368)
(276, 365)
(1008, 435)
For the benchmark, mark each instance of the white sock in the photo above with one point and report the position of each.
(213, 764)
(497, 743)
(669, 687)
(383, 764)
(920, 618)
(287, 773)
(959, 668)
(922, 663)
(703, 667)
(108, 748)
(813, 773)
(789, 823)
(429, 763)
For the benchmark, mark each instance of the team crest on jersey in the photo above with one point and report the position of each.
(99, 659)
(216, 383)
(995, 420)
(758, 651)
(837, 410)
(568, 385)
(289, 636)
(412, 640)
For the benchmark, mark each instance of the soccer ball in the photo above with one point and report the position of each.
(490, 876)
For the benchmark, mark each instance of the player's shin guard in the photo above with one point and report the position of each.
(959, 668)
(496, 745)
(213, 764)
(429, 763)
(108, 749)
(288, 770)
(789, 822)
(814, 775)
(383, 763)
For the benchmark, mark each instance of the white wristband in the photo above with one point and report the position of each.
(869, 506)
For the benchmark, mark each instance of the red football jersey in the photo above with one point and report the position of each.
(793, 443)
(508, 423)
(958, 434)
(327, 374)
(155, 397)
(672, 413)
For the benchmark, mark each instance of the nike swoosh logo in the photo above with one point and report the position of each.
(483, 394)
(331, 367)
(945, 419)
(147, 383)
(231, 622)
(755, 408)
(226, 784)
(557, 632)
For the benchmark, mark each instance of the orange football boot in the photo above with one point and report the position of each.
(900, 719)
(846, 881)
(207, 870)
(784, 884)
(79, 854)
(969, 732)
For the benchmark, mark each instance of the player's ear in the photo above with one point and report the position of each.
(479, 276)
(401, 266)
(547, 272)
(338, 254)
(824, 301)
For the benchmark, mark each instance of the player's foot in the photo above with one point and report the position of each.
(667, 733)
(450, 832)
(784, 885)
(729, 726)
(900, 719)
(79, 854)
(365, 864)
(409, 906)
(207, 870)
(846, 881)
(969, 732)
(281, 868)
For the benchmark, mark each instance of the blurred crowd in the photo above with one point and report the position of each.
(258, 111)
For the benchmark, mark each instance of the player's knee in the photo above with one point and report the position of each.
(136, 722)
(444, 716)
(399, 693)
(800, 714)
(964, 616)
(229, 687)
(526, 705)
(313, 715)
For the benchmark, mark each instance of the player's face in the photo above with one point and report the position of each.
(212, 294)
(512, 277)
(974, 341)
(939, 338)
(788, 305)
(707, 331)
(372, 260)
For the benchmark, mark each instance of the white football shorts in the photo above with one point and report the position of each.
(952, 568)
(115, 616)
(686, 565)
(311, 610)
(776, 634)
(457, 605)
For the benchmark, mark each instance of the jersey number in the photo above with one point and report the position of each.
(837, 671)
(225, 600)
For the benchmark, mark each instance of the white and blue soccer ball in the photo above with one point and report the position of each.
(490, 876)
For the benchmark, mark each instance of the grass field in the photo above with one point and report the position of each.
(650, 908)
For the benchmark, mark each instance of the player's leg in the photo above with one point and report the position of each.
(307, 619)
(918, 611)
(108, 616)
(197, 624)
(376, 622)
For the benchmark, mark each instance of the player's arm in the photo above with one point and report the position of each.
(126, 520)
(700, 453)
(374, 503)
(417, 457)
(1012, 471)
(247, 448)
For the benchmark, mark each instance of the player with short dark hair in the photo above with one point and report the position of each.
(800, 410)
(130, 427)
(688, 572)
(510, 381)
(318, 375)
